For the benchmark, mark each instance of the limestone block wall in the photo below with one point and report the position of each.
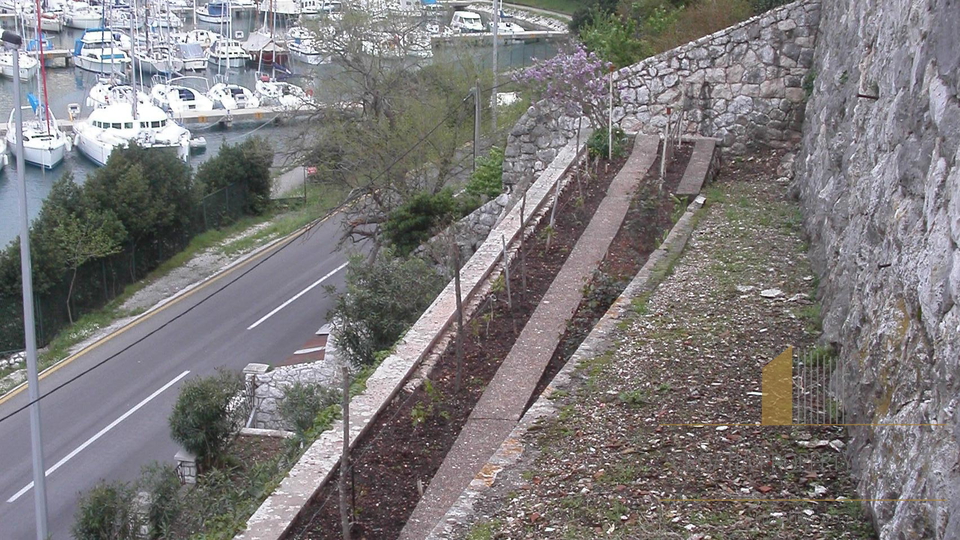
(742, 85)
(269, 388)
(879, 183)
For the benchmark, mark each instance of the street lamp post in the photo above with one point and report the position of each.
(12, 42)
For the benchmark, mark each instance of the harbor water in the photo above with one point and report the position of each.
(70, 85)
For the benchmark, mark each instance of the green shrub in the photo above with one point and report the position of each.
(487, 180)
(597, 144)
(161, 482)
(302, 402)
(414, 222)
(107, 512)
(246, 164)
(381, 300)
(759, 6)
(205, 418)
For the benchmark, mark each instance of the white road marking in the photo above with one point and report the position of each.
(101, 433)
(298, 295)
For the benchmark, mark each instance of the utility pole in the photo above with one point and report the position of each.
(12, 42)
(493, 91)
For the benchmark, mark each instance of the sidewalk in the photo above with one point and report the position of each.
(510, 390)
(656, 436)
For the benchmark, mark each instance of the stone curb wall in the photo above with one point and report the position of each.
(269, 388)
(278, 512)
(742, 85)
(657, 266)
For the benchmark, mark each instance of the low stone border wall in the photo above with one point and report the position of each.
(598, 341)
(278, 512)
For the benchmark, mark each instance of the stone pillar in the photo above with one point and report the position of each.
(250, 377)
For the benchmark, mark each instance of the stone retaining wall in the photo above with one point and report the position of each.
(879, 184)
(742, 85)
(270, 386)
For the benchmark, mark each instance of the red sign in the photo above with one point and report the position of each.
(311, 170)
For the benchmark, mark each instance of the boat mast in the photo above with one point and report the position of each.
(42, 85)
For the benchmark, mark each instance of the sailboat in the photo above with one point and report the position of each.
(28, 64)
(44, 143)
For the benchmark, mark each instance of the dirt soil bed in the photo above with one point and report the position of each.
(409, 441)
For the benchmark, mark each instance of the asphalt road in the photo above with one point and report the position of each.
(127, 400)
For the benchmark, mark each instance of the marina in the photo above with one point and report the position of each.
(248, 97)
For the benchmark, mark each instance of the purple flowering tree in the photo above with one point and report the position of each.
(574, 80)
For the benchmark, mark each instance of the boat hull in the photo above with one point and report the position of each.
(98, 66)
(227, 62)
(26, 73)
(46, 156)
(81, 23)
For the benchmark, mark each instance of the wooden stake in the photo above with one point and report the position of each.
(456, 286)
(345, 456)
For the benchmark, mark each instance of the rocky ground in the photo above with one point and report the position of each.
(659, 437)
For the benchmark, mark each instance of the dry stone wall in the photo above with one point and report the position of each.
(742, 85)
(879, 183)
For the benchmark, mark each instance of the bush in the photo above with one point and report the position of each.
(597, 145)
(246, 164)
(759, 6)
(107, 512)
(487, 180)
(206, 417)
(161, 482)
(414, 222)
(381, 300)
(302, 402)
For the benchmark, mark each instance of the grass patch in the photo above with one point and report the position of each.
(562, 6)
(483, 531)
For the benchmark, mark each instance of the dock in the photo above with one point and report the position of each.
(55, 54)
(480, 37)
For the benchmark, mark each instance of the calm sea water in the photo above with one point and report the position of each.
(70, 85)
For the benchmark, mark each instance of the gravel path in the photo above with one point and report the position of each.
(609, 465)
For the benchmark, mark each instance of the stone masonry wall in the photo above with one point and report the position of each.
(879, 183)
(271, 385)
(742, 85)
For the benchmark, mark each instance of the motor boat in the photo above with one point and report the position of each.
(119, 124)
(466, 22)
(29, 66)
(285, 95)
(227, 53)
(308, 51)
(100, 50)
(214, 13)
(287, 9)
(321, 8)
(176, 97)
(157, 60)
(51, 21)
(44, 144)
(82, 15)
(200, 36)
(232, 97)
(193, 56)
(507, 28)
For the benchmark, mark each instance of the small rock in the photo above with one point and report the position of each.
(808, 512)
(723, 428)
(745, 288)
(837, 445)
(771, 293)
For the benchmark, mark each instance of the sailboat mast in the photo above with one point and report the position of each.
(43, 67)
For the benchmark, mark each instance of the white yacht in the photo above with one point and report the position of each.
(232, 97)
(44, 144)
(227, 53)
(280, 8)
(98, 50)
(308, 51)
(29, 66)
(108, 91)
(204, 38)
(82, 15)
(214, 12)
(157, 59)
(116, 125)
(51, 21)
(466, 22)
(507, 28)
(192, 55)
(282, 94)
(321, 8)
(176, 96)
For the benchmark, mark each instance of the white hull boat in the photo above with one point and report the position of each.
(99, 51)
(29, 66)
(282, 94)
(158, 61)
(51, 22)
(192, 56)
(3, 153)
(178, 95)
(232, 97)
(227, 53)
(44, 144)
(114, 126)
(308, 51)
(82, 15)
